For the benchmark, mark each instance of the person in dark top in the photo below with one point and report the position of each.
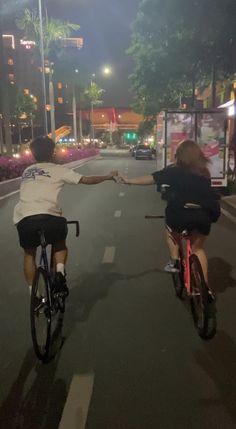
(192, 203)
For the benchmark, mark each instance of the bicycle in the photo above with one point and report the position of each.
(191, 279)
(46, 306)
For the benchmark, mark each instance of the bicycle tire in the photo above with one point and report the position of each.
(40, 315)
(202, 305)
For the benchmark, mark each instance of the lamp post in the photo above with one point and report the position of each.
(43, 68)
(92, 110)
(106, 71)
(52, 103)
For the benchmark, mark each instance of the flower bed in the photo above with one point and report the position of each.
(11, 167)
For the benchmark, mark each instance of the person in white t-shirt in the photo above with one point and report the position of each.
(38, 208)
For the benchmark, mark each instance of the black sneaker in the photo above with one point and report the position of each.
(60, 286)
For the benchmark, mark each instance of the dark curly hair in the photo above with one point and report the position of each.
(42, 149)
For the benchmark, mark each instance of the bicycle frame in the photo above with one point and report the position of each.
(185, 258)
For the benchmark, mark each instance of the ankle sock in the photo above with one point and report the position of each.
(60, 268)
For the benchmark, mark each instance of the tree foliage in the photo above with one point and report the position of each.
(94, 93)
(25, 106)
(54, 30)
(175, 46)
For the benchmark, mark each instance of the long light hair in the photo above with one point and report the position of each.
(190, 157)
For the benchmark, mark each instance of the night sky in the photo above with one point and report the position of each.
(105, 27)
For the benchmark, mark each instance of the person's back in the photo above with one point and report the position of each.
(183, 186)
(40, 187)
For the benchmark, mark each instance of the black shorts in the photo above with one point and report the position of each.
(54, 227)
(179, 219)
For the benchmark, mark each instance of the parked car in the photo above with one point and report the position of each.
(143, 151)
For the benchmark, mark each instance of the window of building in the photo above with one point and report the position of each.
(60, 100)
(10, 62)
(59, 85)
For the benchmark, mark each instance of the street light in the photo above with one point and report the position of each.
(107, 70)
(92, 108)
(43, 69)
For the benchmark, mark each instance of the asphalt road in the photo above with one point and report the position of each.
(135, 361)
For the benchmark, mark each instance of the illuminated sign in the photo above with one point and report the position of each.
(73, 42)
(27, 44)
(10, 39)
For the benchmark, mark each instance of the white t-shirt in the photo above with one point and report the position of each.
(40, 187)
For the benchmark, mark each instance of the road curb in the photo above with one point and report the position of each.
(10, 187)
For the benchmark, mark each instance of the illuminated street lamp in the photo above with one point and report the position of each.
(106, 70)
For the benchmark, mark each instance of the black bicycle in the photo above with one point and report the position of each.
(47, 308)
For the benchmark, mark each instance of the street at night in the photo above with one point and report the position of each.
(118, 214)
(135, 361)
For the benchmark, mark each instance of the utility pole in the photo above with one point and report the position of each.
(52, 104)
(43, 68)
(4, 97)
(74, 115)
(92, 111)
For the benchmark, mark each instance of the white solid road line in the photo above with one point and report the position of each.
(117, 213)
(228, 215)
(77, 404)
(109, 255)
(9, 195)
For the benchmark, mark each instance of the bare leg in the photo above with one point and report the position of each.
(172, 243)
(60, 253)
(29, 265)
(197, 242)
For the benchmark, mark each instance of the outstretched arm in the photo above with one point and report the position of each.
(142, 180)
(94, 180)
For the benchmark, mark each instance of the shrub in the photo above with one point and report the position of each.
(11, 168)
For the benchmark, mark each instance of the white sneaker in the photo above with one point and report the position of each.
(172, 267)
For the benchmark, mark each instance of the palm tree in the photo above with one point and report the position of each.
(54, 30)
(93, 93)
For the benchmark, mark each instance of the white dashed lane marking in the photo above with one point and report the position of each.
(77, 404)
(121, 194)
(117, 213)
(109, 255)
(228, 215)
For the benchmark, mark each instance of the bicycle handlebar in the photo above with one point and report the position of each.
(76, 223)
(154, 217)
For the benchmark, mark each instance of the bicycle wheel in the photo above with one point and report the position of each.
(202, 304)
(178, 280)
(40, 315)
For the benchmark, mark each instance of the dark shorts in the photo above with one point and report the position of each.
(54, 227)
(179, 219)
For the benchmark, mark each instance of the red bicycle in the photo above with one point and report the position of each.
(191, 279)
